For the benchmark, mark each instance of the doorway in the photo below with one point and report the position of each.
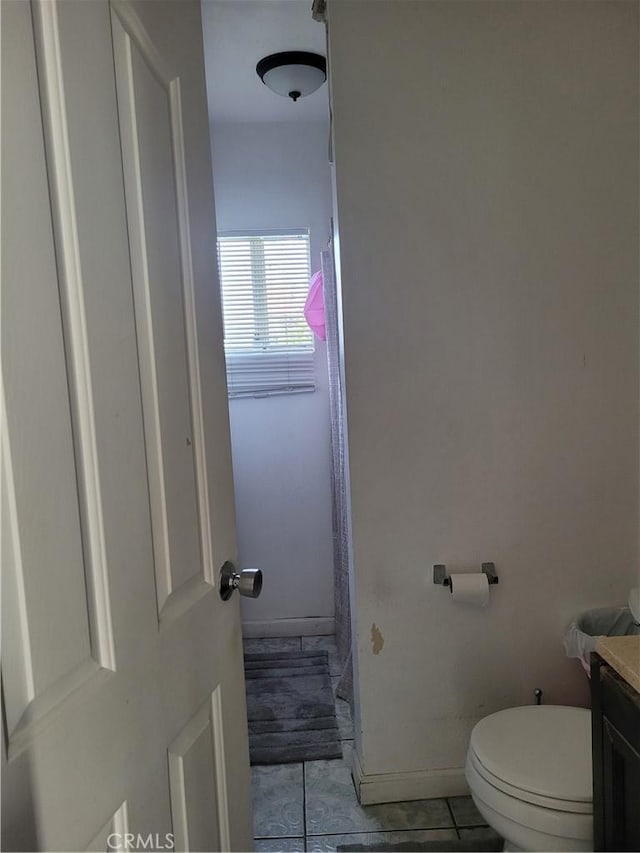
(272, 181)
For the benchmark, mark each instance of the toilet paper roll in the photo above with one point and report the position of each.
(470, 588)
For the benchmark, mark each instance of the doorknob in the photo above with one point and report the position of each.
(248, 581)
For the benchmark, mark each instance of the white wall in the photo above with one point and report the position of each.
(487, 194)
(277, 176)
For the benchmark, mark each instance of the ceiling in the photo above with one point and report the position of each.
(238, 33)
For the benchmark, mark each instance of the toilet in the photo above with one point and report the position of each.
(529, 771)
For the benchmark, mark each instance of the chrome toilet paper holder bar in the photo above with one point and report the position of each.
(441, 577)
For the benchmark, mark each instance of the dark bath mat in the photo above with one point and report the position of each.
(291, 708)
(470, 846)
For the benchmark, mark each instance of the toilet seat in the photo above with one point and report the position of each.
(538, 753)
(550, 803)
(553, 803)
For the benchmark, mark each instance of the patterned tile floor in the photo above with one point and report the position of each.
(313, 805)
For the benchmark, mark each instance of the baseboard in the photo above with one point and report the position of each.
(411, 785)
(310, 626)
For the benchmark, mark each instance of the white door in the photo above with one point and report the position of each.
(123, 696)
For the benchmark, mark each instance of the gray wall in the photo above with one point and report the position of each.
(269, 175)
(487, 195)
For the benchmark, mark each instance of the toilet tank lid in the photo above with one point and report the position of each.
(542, 749)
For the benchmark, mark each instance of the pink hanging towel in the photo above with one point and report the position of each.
(314, 307)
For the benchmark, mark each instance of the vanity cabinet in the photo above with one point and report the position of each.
(616, 759)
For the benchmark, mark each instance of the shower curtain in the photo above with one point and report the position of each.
(338, 480)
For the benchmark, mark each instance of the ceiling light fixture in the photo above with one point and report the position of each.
(293, 74)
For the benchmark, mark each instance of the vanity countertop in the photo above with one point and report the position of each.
(623, 654)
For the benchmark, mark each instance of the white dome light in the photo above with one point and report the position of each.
(293, 74)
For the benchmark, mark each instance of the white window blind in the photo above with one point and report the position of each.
(268, 344)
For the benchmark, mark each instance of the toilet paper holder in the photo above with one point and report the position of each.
(441, 577)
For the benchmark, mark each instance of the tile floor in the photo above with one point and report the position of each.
(312, 805)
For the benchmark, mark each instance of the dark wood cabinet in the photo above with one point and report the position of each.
(616, 759)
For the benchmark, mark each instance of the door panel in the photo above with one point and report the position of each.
(152, 148)
(48, 649)
(117, 504)
(197, 781)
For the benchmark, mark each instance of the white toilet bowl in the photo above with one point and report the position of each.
(529, 771)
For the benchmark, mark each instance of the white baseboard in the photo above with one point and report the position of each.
(411, 785)
(311, 626)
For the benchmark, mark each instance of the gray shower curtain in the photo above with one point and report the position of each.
(338, 479)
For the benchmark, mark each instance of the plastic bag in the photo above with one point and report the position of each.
(314, 307)
(581, 636)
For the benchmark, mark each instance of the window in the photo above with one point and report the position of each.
(265, 279)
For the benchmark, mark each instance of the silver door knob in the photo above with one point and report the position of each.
(248, 582)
